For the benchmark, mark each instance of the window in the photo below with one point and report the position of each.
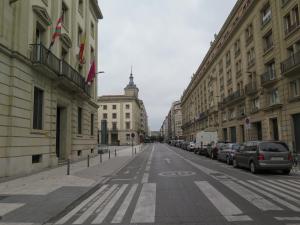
(104, 115)
(114, 125)
(92, 55)
(238, 68)
(268, 41)
(114, 115)
(104, 107)
(127, 137)
(79, 36)
(237, 49)
(92, 30)
(251, 57)
(228, 58)
(79, 120)
(92, 124)
(114, 106)
(271, 70)
(127, 125)
(38, 104)
(127, 115)
(291, 20)
(229, 76)
(80, 7)
(295, 88)
(274, 97)
(36, 159)
(127, 106)
(266, 14)
(65, 11)
(39, 34)
(64, 54)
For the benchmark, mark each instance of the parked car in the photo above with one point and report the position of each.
(191, 146)
(227, 153)
(264, 155)
(215, 148)
(184, 145)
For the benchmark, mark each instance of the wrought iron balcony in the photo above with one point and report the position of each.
(234, 97)
(70, 77)
(291, 66)
(250, 88)
(268, 78)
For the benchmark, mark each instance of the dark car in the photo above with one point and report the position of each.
(184, 145)
(227, 152)
(264, 155)
(213, 151)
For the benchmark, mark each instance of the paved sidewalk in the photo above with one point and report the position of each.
(47, 193)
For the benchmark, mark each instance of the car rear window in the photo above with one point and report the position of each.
(235, 147)
(273, 147)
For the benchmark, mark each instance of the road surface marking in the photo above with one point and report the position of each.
(289, 183)
(127, 172)
(280, 189)
(230, 211)
(273, 197)
(147, 168)
(285, 186)
(101, 216)
(295, 182)
(93, 207)
(80, 206)
(145, 178)
(167, 160)
(250, 196)
(286, 196)
(287, 218)
(177, 173)
(9, 207)
(144, 211)
(123, 208)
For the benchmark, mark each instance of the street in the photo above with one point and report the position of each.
(166, 185)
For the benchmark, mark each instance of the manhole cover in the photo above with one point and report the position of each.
(177, 173)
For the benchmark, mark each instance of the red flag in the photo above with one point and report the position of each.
(57, 31)
(92, 73)
(81, 49)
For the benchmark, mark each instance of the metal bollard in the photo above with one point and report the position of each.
(135, 151)
(101, 158)
(68, 167)
(115, 152)
(88, 161)
(109, 153)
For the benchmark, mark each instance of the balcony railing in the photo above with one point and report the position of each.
(42, 55)
(249, 39)
(291, 63)
(268, 77)
(250, 88)
(290, 29)
(236, 96)
(254, 109)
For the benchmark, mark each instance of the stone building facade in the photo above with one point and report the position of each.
(121, 115)
(48, 111)
(248, 85)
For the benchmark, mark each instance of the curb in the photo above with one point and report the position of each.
(88, 192)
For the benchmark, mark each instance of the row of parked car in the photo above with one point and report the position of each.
(253, 155)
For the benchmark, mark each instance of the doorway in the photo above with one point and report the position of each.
(233, 134)
(274, 129)
(296, 121)
(61, 131)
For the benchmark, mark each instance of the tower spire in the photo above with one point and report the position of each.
(131, 83)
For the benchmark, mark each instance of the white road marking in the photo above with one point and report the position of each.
(280, 189)
(287, 218)
(101, 216)
(289, 183)
(168, 160)
(93, 207)
(273, 197)
(230, 211)
(9, 207)
(286, 196)
(144, 211)
(145, 178)
(80, 206)
(286, 186)
(123, 208)
(127, 172)
(250, 196)
(295, 182)
(147, 168)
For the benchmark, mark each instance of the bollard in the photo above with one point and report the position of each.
(135, 151)
(115, 152)
(88, 161)
(68, 167)
(109, 153)
(100, 157)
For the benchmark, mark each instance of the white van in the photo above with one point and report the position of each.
(204, 138)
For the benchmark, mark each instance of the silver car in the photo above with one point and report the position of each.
(264, 155)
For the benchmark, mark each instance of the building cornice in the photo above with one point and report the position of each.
(96, 9)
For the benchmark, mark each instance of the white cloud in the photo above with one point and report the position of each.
(165, 40)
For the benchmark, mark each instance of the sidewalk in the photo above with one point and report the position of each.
(47, 193)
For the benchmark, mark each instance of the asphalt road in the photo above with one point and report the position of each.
(166, 185)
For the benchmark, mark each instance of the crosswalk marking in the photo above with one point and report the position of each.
(144, 211)
(287, 186)
(295, 182)
(93, 207)
(286, 196)
(280, 189)
(252, 197)
(80, 206)
(123, 208)
(295, 218)
(145, 178)
(289, 183)
(101, 216)
(273, 197)
(230, 211)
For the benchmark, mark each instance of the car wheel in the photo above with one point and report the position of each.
(286, 172)
(253, 168)
(227, 160)
(235, 163)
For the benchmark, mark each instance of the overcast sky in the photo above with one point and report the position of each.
(164, 40)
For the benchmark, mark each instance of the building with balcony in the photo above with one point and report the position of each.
(48, 111)
(251, 72)
(120, 116)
